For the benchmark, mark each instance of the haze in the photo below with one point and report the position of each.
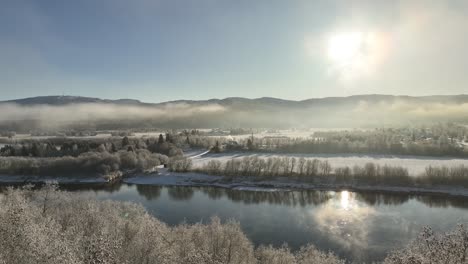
(62, 112)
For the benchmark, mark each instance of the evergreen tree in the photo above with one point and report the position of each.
(250, 144)
(169, 138)
(216, 148)
(113, 148)
(125, 141)
(34, 150)
(160, 139)
(24, 151)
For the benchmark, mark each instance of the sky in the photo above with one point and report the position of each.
(161, 50)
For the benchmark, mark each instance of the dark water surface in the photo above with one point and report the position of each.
(356, 226)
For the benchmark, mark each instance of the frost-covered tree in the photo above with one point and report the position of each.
(432, 248)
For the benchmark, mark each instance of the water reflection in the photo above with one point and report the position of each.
(443, 202)
(372, 198)
(345, 200)
(296, 198)
(214, 193)
(396, 199)
(179, 193)
(292, 198)
(150, 192)
(347, 221)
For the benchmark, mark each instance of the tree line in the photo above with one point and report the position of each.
(435, 140)
(80, 156)
(432, 140)
(100, 162)
(60, 147)
(321, 172)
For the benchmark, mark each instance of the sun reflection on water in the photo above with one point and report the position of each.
(345, 220)
(345, 200)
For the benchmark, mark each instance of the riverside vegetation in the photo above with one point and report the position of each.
(64, 156)
(321, 172)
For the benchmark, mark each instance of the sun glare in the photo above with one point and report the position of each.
(353, 54)
(345, 47)
(345, 200)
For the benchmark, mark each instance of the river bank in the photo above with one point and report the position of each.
(165, 178)
(192, 179)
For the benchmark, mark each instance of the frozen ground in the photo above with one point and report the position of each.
(415, 164)
(165, 177)
(148, 134)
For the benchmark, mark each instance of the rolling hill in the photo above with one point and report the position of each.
(52, 112)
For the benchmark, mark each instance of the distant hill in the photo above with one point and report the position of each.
(64, 100)
(353, 111)
(242, 102)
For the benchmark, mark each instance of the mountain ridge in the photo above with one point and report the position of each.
(374, 110)
(64, 100)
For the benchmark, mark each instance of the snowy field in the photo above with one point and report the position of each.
(148, 134)
(415, 164)
(291, 133)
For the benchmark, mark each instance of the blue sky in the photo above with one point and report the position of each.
(199, 49)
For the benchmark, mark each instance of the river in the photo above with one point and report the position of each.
(362, 227)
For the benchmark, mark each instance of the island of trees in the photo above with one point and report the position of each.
(65, 156)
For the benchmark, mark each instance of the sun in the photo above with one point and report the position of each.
(349, 54)
(345, 47)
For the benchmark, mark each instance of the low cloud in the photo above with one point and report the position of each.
(72, 113)
(422, 110)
